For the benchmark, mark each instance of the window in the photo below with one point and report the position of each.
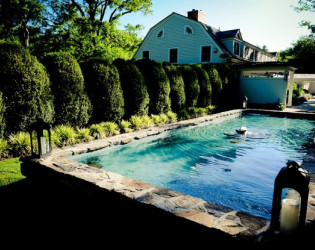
(160, 33)
(246, 52)
(188, 30)
(236, 48)
(173, 55)
(146, 54)
(205, 53)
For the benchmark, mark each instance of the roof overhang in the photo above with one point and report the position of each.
(257, 66)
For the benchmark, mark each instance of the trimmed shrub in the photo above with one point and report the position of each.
(72, 105)
(135, 91)
(215, 81)
(104, 90)
(158, 85)
(177, 94)
(25, 87)
(192, 88)
(204, 98)
(2, 113)
(66, 135)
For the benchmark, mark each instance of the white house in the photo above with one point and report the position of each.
(183, 40)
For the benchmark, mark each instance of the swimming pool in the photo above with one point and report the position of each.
(204, 162)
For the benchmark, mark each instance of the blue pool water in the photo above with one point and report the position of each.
(204, 162)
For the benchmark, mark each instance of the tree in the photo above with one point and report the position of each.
(306, 5)
(18, 18)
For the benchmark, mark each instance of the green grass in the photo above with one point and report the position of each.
(10, 171)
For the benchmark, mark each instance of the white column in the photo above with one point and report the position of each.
(290, 84)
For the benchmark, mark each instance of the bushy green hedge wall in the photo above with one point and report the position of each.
(135, 91)
(215, 82)
(204, 97)
(104, 89)
(72, 105)
(177, 94)
(25, 85)
(192, 88)
(158, 85)
(2, 113)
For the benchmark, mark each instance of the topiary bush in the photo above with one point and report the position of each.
(177, 94)
(135, 91)
(2, 113)
(215, 81)
(192, 88)
(104, 90)
(72, 105)
(158, 85)
(204, 97)
(25, 87)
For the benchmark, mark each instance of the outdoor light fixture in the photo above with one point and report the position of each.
(291, 212)
(43, 143)
(244, 103)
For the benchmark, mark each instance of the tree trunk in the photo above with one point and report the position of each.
(26, 35)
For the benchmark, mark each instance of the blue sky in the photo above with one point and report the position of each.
(273, 23)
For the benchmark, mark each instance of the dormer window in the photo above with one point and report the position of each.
(160, 34)
(189, 30)
(236, 48)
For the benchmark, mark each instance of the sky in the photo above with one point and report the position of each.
(273, 23)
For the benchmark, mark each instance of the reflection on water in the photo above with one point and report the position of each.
(205, 162)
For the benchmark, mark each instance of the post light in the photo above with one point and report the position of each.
(43, 145)
(244, 104)
(293, 212)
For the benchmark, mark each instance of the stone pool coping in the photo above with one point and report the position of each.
(214, 216)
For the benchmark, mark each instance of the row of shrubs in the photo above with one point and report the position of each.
(62, 91)
(19, 144)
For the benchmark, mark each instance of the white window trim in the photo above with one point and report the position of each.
(211, 53)
(169, 55)
(188, 26)
(159, 32)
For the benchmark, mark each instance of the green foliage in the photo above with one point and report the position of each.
(3, 147)
(146, 121)
(66, 134)
(177, 94)
(72, 106)
(20, 144)
(25, 87)
(215, 82)
(111, 128)
(204, 97)
(125, 126)
(104, 90)
(156, 119)
(135, 91)
(163, 119)
(158, 85)
(97, 131)
(172, 117)
(2, 114)
(10, 171)
(83, 134)
(136, 122)
(192, 88)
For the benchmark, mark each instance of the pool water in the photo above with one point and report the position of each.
(205, 162)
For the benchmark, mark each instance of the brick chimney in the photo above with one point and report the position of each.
(197, 15)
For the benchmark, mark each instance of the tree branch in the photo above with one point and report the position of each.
(78, 7)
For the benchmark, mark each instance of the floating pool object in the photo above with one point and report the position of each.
(241, 130)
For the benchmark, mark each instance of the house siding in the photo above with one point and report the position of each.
(189, 46)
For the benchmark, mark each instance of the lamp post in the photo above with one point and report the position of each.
(43, 144)
(293, 212)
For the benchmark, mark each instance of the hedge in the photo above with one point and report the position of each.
(26, 88)
(135, 91)
(2, 119)
(72, 105)
(104, 90)
(177, 94)
(204, 97)
(158, 85)
(192, 88)
(215, 81)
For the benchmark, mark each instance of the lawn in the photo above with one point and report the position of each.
(10, 171)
